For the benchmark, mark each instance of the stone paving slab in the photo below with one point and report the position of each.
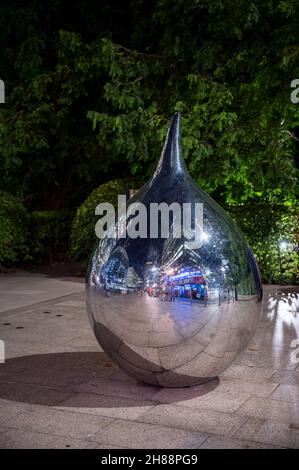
(59, 390)
(59, 423)
(103, 405)
(14, 439)
(218, 443)
(144, 435)
(180, 417)
(24, 289)
(281, 410)
(270, 432)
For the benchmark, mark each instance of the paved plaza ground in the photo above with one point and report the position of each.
(59, 390)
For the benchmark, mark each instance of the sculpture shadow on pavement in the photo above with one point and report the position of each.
(82, 379)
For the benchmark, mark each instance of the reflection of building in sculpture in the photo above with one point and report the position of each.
(133, 281)
(115, 269)
(187, 283)
(184, 277)
(117, 275)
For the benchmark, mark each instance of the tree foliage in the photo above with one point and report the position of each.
(90, 91)
(50, 233)
(272, 232)
(14, 231)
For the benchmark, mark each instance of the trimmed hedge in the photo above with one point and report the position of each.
(83, 236)
(14, 231)
(272, 231)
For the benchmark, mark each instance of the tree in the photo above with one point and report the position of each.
(127, 66)
(227, 66)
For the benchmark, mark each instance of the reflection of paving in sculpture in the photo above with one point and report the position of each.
(167, 314)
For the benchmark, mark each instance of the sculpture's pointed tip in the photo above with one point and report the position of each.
(171, 159)
(172, 142)
(175, 125)
(172, 150)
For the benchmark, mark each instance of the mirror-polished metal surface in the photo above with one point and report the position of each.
(167, 314)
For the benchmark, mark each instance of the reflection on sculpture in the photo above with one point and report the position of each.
(167, 314)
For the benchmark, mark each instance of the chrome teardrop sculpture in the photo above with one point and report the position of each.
(168, 314)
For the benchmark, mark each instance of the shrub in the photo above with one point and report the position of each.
(83, 236)
(14, 233)
(272, 231)
(50, 234)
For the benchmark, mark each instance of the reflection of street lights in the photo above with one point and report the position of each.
(282, 245)
(204, 237)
